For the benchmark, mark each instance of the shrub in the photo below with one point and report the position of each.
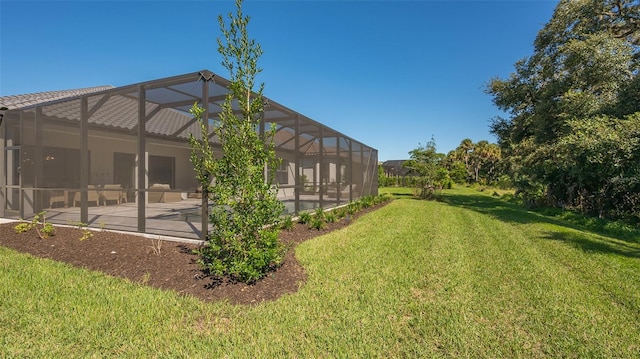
(366, 201)
(264, 253)
(330, 217)
(339, 212)
(286, 223)
(353, 207)
(86, 232)
(22, 227)
(47, 230)
(317, 223)
(304, 218)
(319, 213)
(44, 229)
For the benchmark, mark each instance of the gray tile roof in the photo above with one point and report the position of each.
(121, 112)
(117, 112)
(20, 101)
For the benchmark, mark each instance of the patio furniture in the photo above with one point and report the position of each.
(57, 196)
(113, 192)
(160, 193)
(93, 195)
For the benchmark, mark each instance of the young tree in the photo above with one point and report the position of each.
(425, 160)
(243, 243)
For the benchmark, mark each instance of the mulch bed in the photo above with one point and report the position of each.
(164, 264)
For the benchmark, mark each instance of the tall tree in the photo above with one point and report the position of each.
(242, 244)
(602, 159)
(584, 66)
(483, 160)
(480, 160)
(583, 59)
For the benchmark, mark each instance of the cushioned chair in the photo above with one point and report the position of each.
(113, 193)
(93, 195)
(157, 194)
(57, 197)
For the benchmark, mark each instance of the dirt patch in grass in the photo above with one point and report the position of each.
(164, 264)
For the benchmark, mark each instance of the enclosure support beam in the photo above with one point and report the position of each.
(4, 191)
(338, 171)
(84, 160)
(204, 221)
(362, 168)
(38, 163)
(323, 186)
(351, 170)
(142, 159)
(298, 182)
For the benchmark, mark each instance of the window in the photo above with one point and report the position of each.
(282, 174)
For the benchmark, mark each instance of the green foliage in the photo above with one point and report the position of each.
(617, 229)
(304, 218)
(244, 199)
(320, 218)
(353, 207)
(404, 181)
(22, 227)
(330, 217)
(317, 223)
(319, 213)
(504, 182)
(600, 156)
(47, 230)
(468, 163)
(383, 197)
(86, 232)
(457, 171)
(366, 201)
(260, 255)
(339, 212)
(286, 223)
(43, 228)
(571, 136)
(475, 277)
(202, 156)
(424, 161)
(474, 162)
(382, 178)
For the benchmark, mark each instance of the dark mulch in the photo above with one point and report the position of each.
(164, 264)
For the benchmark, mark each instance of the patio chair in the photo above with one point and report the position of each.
(93, 195)
(57, 196)
(160, 193)
(113, 192)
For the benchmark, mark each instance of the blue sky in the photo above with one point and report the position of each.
(391, 74)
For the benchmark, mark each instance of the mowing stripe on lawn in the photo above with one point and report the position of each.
(470, 276)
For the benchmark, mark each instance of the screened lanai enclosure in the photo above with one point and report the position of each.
(118, 158)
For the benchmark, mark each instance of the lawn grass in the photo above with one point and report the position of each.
(467, 276)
